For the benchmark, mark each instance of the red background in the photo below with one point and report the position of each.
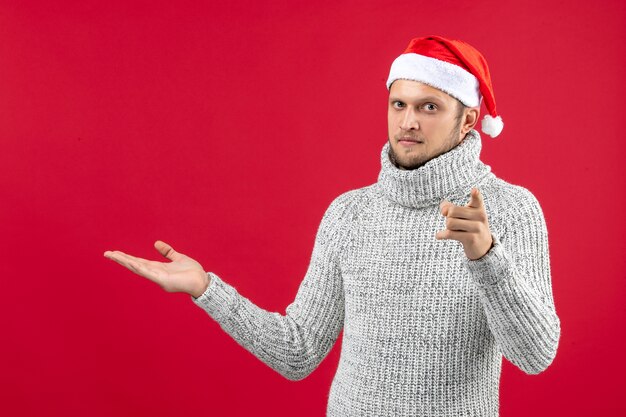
(225, 130)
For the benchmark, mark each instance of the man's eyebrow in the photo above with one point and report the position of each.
(426, 98)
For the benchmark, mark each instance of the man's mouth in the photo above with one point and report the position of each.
(409, 141)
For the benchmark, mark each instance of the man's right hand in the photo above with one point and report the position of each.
(183, 274)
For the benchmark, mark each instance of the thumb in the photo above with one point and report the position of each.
(166, 250)
(443, 207)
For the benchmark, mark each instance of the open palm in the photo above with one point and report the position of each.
(183, 274)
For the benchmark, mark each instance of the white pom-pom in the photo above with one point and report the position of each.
(492, 125)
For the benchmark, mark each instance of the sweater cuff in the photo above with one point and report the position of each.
(494, 267)
(218, 300)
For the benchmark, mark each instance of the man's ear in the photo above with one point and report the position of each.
(470, 118)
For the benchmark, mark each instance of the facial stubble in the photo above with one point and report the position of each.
(419, 161)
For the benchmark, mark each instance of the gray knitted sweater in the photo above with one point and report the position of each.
(425, 328)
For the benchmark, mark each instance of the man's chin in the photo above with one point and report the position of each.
(411, 165)
(405, 163)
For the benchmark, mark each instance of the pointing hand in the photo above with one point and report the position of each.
(183, 274)
(468, 225)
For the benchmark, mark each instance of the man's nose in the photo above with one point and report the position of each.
(409, 121)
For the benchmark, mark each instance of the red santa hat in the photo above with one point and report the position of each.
(453, 67)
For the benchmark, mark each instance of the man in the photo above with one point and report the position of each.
(434, 272)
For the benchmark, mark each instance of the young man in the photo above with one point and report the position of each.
(434, 272)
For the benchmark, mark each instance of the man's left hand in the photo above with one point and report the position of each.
(468, 225)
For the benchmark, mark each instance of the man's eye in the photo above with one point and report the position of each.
(398, 104)
(430, 106)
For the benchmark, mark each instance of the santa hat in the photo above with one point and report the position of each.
(453, 67)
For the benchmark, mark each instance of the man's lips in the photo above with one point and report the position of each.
(409, 141)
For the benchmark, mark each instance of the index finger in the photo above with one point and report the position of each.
(476, 199)
(137, 265)
(122, 259)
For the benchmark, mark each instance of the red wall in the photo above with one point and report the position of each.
(226, 130)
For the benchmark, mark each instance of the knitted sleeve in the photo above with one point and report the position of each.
(293, 344)
(515, 289)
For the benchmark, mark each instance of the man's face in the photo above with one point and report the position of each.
(423, 123)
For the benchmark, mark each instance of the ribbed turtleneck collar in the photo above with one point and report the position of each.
(446, 176)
